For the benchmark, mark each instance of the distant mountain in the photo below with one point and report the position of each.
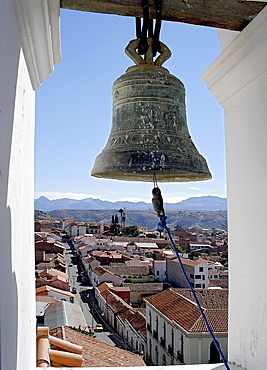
(205, 203)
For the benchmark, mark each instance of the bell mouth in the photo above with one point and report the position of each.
(148, 176)
(136, 166)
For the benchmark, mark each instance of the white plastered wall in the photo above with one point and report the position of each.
(22, 36)
(28, 33)
(238, 79)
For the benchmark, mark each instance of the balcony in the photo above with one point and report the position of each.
(170, 350)
(180, 356)
(155, 334)
(148, 326)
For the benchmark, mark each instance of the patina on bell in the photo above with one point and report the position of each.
(149, 136)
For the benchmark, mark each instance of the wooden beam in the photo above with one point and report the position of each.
(228, 14)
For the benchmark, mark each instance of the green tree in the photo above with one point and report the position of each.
(179, 248)
(150, 235)
(193, 254)
(130, 231)
(131, 243)
(168, 247)
(128, 280)
(149, 255)
(114, 226)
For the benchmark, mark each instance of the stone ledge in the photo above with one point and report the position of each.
(181, 367)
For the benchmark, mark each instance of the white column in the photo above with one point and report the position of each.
(20, 73)
(238, 79)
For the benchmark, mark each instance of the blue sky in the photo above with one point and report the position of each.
(74, 106)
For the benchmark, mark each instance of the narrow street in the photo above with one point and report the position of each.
(85, 298)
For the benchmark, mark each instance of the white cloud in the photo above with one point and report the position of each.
(171, 198)
(193, 188)
(59, 195)
(174, 199)
(133, 199)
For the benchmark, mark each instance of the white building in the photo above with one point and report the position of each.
(100, 275)
(29, 47)
(159, 268)
(176, 333)
(197, 272)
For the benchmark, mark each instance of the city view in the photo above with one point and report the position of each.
(117, 289)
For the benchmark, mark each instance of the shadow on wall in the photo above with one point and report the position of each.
(9, 62)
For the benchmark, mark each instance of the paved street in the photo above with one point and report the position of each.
(92, 317)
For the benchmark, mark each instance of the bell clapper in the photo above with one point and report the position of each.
(157, 199)
(157, 202)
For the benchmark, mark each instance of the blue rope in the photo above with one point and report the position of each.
(163, 226)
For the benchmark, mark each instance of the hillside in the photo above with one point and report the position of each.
(40, 216)
(185, 218)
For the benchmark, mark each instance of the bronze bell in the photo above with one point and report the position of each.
(149, 137)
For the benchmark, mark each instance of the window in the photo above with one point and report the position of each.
(198, 276)
(157, 355)
(203, 277)
(164, 331)
(200, 269)
(198, 285)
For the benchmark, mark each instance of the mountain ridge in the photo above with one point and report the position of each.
(203, 203)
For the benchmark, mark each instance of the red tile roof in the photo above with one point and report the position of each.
(97, 353)
(136, 319)
(117, 304)
(128, 270)
(195, 263)
(208, 298)
(144, 287)
(179, 306)
(99, 271)
(48, 288)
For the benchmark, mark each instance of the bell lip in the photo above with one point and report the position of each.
(150, 175)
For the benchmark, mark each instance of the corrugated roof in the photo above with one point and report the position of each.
(64, 313)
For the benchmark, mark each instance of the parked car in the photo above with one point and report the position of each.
(89, 328)
(98, 327)
(74, 290)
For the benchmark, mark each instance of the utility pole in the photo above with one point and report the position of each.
(123, 217)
